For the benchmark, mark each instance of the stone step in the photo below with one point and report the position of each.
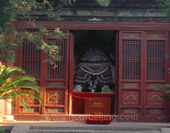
(94, 129)
(62, 131)
(90, 131)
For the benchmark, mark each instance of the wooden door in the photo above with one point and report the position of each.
(29, 59)
(156, 46)
(130, 86)
(55, 87)
(53, 81)
(142, 67)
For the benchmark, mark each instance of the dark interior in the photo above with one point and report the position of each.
(93, 39)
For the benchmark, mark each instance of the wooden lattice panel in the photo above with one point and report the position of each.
(59, 71)
(31, 59)
(155, 59)
(131, 59)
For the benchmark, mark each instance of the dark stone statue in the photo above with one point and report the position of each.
(94, 73)
(94, 63)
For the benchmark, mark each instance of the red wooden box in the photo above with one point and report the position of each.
(98, 106)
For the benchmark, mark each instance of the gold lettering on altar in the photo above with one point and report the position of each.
(97, 113)
(97, 104)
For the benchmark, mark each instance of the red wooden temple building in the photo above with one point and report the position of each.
(112, 61)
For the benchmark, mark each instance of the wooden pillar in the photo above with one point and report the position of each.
(2, 107)
(8, 102)
(2, 110)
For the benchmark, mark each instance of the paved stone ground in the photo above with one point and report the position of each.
(6, 128)
(82, 127)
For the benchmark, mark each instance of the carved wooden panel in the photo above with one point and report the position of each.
(131, 35)
(31, 110)
(131, 85)
(155, 99)
(54, 109)
(30, 100)
(55, 97)
(156, 111)
(56, 84)
(131, 111)
(154, 85)
(131, 98)
(155, 35)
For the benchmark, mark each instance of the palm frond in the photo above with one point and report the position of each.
(165, 88)
(26, 107)
(10, 89)
(8, 72)
(25, 81)
(166, 97)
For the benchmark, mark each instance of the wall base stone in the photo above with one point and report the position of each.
(2, 109)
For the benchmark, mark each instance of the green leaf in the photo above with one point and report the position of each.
(103, 3)
(9, 88)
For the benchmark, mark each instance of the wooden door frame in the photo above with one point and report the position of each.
(71, 68)
(119, 26)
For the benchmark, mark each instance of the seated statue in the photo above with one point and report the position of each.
(94, 73)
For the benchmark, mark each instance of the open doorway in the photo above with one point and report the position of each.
(94, 72)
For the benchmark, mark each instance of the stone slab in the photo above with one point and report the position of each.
(165, 130)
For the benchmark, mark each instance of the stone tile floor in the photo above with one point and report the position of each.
(82, 127)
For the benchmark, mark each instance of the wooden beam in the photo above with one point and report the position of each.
(95, 25)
